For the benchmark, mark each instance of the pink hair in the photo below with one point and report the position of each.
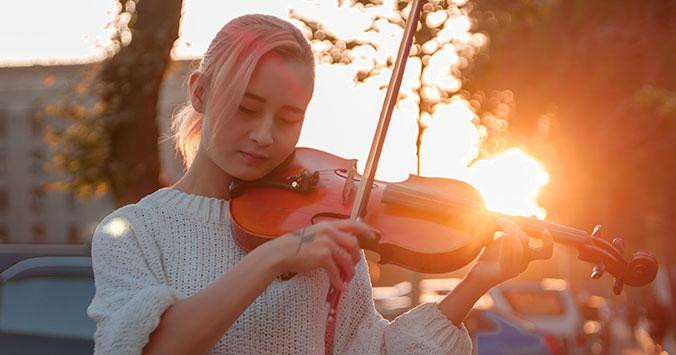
(227, 67)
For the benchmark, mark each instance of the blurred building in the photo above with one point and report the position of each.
(30, 213)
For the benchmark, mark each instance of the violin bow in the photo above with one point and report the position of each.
(362, 196)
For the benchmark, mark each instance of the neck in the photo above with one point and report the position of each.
(204, 178)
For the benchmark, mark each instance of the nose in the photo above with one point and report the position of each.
(261, 132)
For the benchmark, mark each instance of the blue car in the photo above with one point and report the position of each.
(494, 334)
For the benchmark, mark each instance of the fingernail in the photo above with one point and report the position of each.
(375, 233)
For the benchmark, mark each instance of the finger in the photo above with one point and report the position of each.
(521, 256)
(340, 256)
(545, 251)
(505, 252)
(511, 227)
(344, 261)
(512, 254)
(357, 228)
(333, 272)
(348, 242)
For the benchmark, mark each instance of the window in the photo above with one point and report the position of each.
(73, 234)
(4, 234)
(36, 125)
(4, 199)
(47, 306)
(3, 126)
(3, 162)
(37, 161)
(38, 232)
(37, 201)
(70, 201)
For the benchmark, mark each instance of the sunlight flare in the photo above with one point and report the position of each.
(510, 183)
(116, 227)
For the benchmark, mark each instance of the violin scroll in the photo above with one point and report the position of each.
(641, 269)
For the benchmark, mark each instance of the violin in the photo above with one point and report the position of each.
(428, 225)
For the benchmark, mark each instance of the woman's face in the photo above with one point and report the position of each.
(266, 125)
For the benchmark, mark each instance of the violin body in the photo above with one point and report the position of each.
(412, 237)
(428, 225)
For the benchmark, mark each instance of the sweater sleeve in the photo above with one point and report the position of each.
(131, 291)
(422, 330)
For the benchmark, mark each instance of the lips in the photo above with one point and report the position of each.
(253, 158)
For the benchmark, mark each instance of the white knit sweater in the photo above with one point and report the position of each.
(171, 244)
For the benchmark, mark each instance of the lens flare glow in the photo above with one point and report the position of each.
(510, 183)
(116, 227)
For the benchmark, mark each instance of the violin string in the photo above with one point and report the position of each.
(571, 233)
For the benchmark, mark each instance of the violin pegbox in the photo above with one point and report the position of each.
(609, 256)
(599, 269)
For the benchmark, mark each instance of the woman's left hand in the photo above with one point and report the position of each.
(505, 257)
(508, 255)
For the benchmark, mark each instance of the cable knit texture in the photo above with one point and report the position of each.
(171, 244)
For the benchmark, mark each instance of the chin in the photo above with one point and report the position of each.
(250, 174)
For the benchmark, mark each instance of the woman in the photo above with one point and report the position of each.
(171, 279)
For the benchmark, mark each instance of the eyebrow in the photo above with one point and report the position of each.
(260, 99)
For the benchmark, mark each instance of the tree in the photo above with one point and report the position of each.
(112, 144)
(443, 46)
(594, 82)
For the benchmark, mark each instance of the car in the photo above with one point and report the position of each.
(597, 323)
(392, 301)
(548, 304)
(10, 254)
(43, 303)
(495, 334)
(491, 332)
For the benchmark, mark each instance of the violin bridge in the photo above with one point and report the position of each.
(349, 189)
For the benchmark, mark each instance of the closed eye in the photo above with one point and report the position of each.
(291, 120)
(246, 110)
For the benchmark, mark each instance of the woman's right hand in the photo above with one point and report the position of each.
(331, 246)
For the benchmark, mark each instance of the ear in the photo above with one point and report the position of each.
(196, 85)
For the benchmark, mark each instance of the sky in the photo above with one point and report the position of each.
(75, 30)
(342, 115)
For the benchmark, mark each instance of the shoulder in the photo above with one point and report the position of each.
(135, 216)
(129, 226)
(124, 220)
(119, 230)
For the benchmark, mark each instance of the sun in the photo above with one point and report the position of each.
(510, 183)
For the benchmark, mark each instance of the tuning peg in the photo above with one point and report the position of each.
(618, 286)
(596, 232)
(618, 243)
(598, 270)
